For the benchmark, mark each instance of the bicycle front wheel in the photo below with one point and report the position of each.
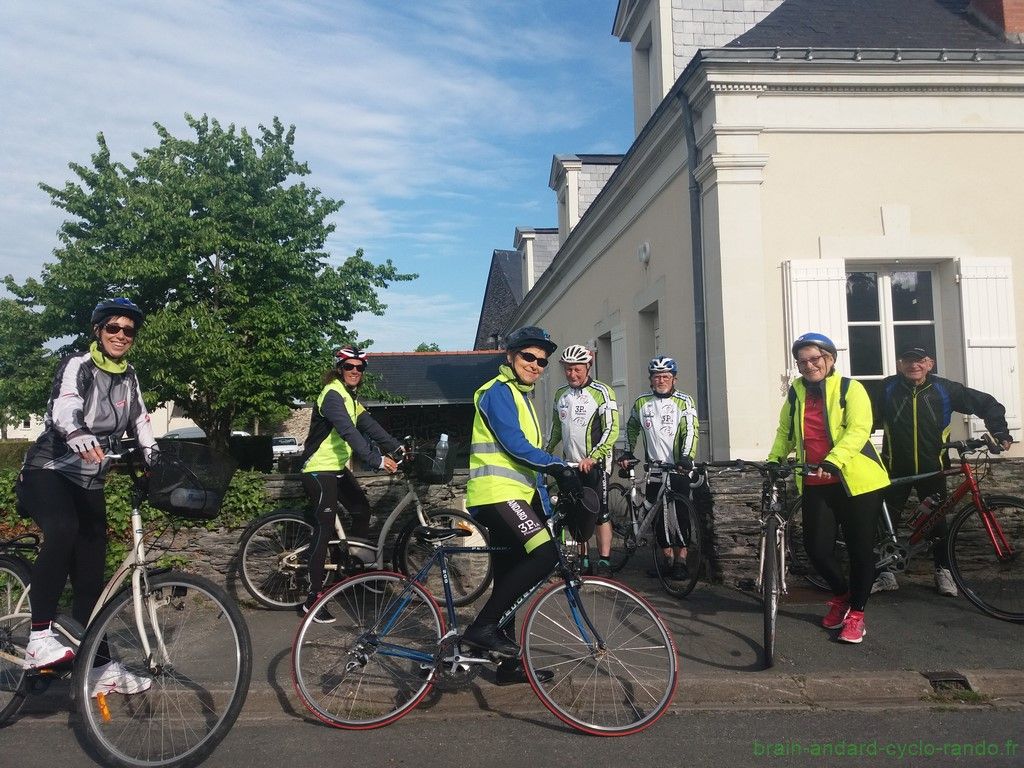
(375, 661)
(469, 573)
(613, 658)
(15, 623)
(680, 577)
(770, 587)
(165, 697)
(273, 559)
(622, 515)
(986, 556)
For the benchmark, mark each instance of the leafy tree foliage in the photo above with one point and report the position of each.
(425, 347)
(26, 368)
(220, 242)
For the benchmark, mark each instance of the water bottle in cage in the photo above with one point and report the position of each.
(924, 509)
(188, 498)
(441, 450)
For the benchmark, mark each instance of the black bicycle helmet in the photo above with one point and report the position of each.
(530, 336)
(119, 307)
(819, 340)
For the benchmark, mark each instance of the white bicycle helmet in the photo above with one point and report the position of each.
(576, 353)
(345, 354)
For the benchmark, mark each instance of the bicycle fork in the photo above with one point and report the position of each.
(780, 549)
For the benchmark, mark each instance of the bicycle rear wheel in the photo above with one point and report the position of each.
(375, 662)
(770, 587)
(273, 565)
(621, 516)
(15, 624)
(190, 686)
(469, 573)
(993, 581)
(676, 581)
(615, 688)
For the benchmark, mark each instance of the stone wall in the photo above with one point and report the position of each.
(711, 24)
(591, 181)
(736, 530)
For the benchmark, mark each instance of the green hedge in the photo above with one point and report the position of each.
(244, 501)
(12, 453)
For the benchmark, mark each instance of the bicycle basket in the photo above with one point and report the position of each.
(579, 512)
(189, 480)
(428, 469)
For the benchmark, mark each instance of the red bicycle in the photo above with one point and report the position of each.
(985, 542)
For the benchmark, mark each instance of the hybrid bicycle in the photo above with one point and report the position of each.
(612, 657)
(273, 550)
(179, 633)
(984, 545)
(633, 519)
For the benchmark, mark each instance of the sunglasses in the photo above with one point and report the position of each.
(113, 329)
(353, 367)
(532, 358)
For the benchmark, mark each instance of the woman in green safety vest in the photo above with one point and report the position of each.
(504, 493)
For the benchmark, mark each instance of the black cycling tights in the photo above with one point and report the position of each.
(516, 571)
(74, 525)
(825, 508)
(326, 490)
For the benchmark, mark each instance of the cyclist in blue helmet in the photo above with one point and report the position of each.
(827, 420)
(95, 400)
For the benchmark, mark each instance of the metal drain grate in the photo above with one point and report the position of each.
(947, 680)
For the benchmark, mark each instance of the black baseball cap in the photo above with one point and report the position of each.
(914, 353)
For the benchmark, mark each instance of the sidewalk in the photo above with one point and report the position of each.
(911, 632)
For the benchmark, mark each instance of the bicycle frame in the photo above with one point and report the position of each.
(773, 503)
(643, 524)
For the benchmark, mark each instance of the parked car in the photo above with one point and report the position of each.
(196, 433)
(285, 446)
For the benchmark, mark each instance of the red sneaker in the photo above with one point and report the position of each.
(853, 628)
(838, 607)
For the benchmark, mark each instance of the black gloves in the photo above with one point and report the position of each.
(685, 463)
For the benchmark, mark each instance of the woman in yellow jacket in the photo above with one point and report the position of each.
(827, 420)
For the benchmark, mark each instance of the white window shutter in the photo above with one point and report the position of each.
(620, 379)
(990, 335)
(815, 298)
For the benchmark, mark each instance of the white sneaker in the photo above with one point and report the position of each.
(944, 582)
(885, 582)
(45, 650)
(114, 678)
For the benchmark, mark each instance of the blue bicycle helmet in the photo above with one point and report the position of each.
(662, 365)
(117, 307)
(530, 336)
(819, 340)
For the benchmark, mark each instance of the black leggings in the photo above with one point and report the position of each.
(516, 571)
(325, 490)
(74, 525)
(827, 507)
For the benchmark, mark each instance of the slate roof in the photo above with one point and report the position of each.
(503, 293)
(921, 24)
(434, 378)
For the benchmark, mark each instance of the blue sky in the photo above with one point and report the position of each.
(435, 120)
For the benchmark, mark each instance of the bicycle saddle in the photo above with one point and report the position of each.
(426, 533)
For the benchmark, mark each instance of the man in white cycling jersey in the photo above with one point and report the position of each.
(667, 419)
(585, 420)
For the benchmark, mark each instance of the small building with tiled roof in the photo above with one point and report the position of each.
(851, 167)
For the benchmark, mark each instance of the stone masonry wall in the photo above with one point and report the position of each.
(592, 180)
(711, 24)
(736, 531)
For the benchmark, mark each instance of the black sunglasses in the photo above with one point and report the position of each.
(353, 367)
(113, 329)
(532, 358)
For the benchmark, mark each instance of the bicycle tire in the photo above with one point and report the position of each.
(340, 671)
(694, 553)
(15, 624)
(469, 573)
(770, 588)
(621, 515)
(638, 660)
(197, 688)
(269, 566)
(993, 584)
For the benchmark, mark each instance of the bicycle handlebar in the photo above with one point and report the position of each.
(986, 442)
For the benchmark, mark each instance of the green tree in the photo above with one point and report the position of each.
(425, 347)
(26, 367)
(220, 242)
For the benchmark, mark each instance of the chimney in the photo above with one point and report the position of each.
(1004, 17)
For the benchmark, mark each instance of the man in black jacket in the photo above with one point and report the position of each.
(915, 409)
